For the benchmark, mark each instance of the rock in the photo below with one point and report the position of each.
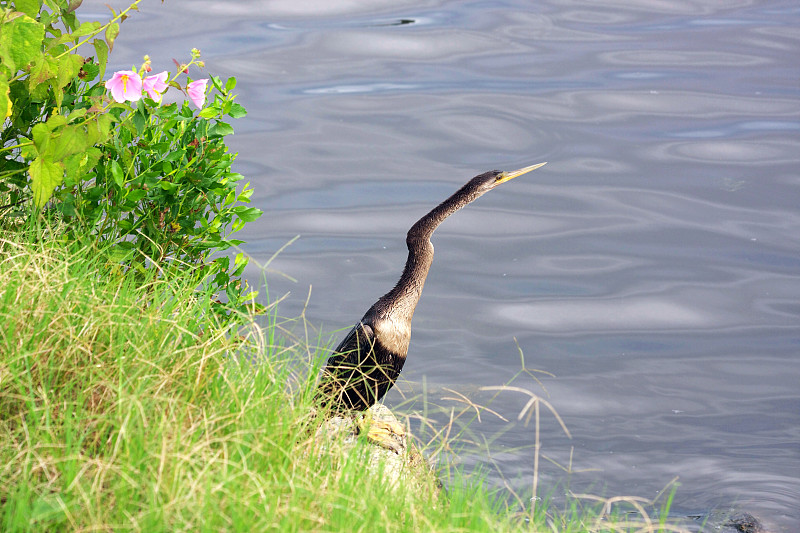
(730, 520)
(745, 523)
(390, 447)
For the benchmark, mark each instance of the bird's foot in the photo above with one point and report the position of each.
(388, 434)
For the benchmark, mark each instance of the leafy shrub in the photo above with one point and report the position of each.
(150, 184)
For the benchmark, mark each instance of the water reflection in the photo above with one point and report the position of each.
(652, 266)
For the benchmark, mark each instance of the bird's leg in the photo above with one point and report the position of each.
(389, 434)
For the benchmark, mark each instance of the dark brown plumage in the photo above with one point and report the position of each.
(367, 362)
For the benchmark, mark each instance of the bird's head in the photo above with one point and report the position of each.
(477, 186)
(489, 180)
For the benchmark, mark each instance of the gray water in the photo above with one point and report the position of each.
(652, 267)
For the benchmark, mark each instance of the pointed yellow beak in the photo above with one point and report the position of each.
(506, 176)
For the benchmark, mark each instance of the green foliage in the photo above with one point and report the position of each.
(152, 184)
(122, 408)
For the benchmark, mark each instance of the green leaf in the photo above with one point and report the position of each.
(101, 49)
(28, 151)
(56, 121)
(166, 169)
(245, 195)
(93, 155)
(247, 214)
(230, 84)
(76, 114)
(5, 101)
(161, 148)
(72, 140)
(237, 111)
(100, 129)
(90, 71)
(111, 33)
(68, 68)
(208, 112)
(175, 155)
(87, 28)
(21, 42)
(220, 129)
(72, 165)
(139, 121)
(230, 198)
(135, 195)
(45, 177)
(216, 82)
(44, 69)
(29, 7)
(41, 137)
(168, 186)
(116, 173)
(69, 19)
(81, 163)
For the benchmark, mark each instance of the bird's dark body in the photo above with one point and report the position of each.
(368, 361)
(360, 371)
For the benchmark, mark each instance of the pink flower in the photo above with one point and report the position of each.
(125, 85)
(197, 92)
(155, 85)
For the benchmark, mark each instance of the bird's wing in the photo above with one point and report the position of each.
(360, 338)
(345, 383)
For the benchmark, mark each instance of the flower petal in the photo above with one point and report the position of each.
(197, 92)
(155, 85)
(125, 85)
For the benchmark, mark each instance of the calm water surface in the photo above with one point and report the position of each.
(652, 267)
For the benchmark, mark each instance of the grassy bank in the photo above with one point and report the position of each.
(122, 408)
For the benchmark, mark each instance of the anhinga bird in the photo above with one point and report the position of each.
(367, 362)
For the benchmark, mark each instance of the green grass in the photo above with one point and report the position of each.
(125, 405)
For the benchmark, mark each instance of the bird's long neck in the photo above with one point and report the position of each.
(403, 298)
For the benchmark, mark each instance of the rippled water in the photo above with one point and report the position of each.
(653, 266)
